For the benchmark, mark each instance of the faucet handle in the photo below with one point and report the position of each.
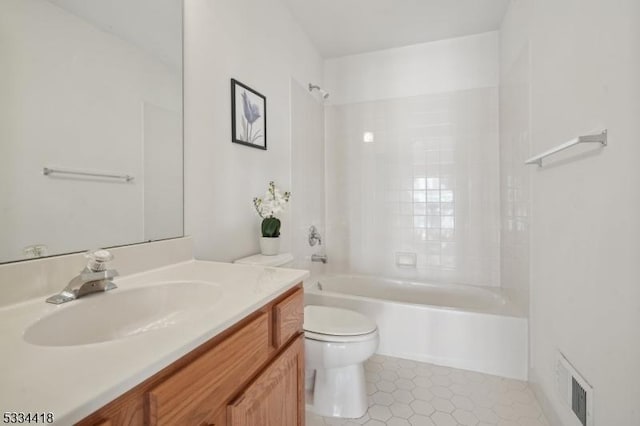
(314, 236)
(98, 259)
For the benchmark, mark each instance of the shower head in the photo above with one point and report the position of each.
(320, 90)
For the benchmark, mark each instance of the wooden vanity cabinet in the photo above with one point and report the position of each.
(250, 375)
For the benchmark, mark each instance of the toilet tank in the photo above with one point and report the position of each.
(282, 260)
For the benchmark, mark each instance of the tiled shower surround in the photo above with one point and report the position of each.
(416, 175)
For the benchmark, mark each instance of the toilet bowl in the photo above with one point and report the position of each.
(337, 343)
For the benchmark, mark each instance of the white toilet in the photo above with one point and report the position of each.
(337, 343)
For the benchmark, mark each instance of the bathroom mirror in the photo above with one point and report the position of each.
(90, 124)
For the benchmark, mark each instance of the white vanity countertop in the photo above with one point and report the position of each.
(74, 381)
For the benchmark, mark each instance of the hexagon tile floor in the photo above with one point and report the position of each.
(409, 393)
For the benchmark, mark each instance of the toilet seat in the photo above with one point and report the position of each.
(331, 324)
(330, 338)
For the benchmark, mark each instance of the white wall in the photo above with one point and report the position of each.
(429, 182)
(72, 97)
(436, 67)
(584, 74)
(258, 43)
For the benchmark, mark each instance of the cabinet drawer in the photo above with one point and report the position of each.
(193, 394)
(288, 317)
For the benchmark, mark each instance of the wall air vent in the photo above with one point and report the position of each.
(574, 392)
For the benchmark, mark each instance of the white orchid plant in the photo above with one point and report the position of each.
(273, 203)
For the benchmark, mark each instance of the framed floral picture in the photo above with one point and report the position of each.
(248, 116)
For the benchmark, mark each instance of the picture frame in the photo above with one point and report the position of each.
(248, 116)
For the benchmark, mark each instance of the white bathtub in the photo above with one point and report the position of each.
(473, 328)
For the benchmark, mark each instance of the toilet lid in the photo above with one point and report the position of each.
(336, 321)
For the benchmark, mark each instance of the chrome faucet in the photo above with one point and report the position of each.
(93, 278)
(319, 258)
(314, 236)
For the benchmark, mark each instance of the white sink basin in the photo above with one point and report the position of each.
(121, 313)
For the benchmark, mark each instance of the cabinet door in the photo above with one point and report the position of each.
(276, 396)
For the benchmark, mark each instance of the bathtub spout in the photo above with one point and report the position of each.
(319, 258)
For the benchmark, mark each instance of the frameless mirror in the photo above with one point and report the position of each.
(90, 124)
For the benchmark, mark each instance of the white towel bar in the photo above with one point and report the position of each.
(600, 138)
(47, 171)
